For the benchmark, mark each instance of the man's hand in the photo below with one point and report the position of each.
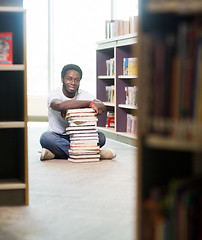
(98, 106)
(63, 114)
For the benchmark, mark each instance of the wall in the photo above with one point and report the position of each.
(37, 108)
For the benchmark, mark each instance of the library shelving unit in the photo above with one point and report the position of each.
(116, 48)
(169, 172)
(13, 117)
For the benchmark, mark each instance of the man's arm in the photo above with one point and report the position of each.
(62, 107)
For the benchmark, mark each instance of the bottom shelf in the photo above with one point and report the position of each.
(12, 192)
(10, 184)
(128, 138)
(12, 197)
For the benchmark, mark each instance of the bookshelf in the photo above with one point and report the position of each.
(13, 117)
(169, 169)
(117, 49)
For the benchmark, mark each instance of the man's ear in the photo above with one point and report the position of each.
(61, 80)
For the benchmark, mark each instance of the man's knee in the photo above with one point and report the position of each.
(45, 137)
(102, 138)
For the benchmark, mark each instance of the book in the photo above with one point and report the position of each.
(81, 114)
(6, 48)
(85, 142)
(83, 151)
(80, 110)
(110, 67)
(84, 135)
(125, 66)
(83, 123)
(110, 93)
(81, 160)
(74, 128)
(132, 66)
(77, 156)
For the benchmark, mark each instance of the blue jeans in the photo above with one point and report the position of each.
(60, 144)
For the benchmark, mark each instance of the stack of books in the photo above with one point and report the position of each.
(83, 135)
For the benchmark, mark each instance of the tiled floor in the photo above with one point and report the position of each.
(74, 201)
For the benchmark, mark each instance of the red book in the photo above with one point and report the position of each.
(6, 48)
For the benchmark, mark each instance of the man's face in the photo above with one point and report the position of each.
(71, 83)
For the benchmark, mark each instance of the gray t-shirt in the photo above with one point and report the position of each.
(56, 123)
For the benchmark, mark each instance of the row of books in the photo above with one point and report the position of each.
(83, 135)
(6, 48)
(131, 126)
(114, 28)
(130, 66)
(174, 212)
(175, 71)
(110, 93)
(110, 67)
(131, 95)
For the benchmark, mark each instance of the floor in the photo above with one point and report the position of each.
(74, 201)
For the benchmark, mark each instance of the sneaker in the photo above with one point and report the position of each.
(107, 153)
(46, 154)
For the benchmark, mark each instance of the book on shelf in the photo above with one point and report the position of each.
(110, 122)
(125, 66)
(171, 212)
(176, 80)
(109, 29)
(126, 27)
(130, 66)
(131, 126)
(110, 67)
(83, 137)
(131, 95)
(110, 93)
(6, 48)
(133, 24)
(115, 28)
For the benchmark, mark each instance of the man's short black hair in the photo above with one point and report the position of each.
(71, 67)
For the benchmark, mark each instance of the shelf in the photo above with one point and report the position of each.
(127, 106)
(111, 130)
(180, 7)
(118, 48)
(118, 41)
(16, 124)
(105, 77)
(14, 67)
(13, 118)
(126, 134)
(9, 184)
(124, 137)
(12, 9)
(161, 142)
(127, 76)
(109, 104)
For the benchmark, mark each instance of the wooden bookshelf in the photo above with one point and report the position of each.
(118, 48)
(169, 166)
(13, 117)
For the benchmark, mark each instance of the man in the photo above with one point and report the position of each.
(55, 142)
